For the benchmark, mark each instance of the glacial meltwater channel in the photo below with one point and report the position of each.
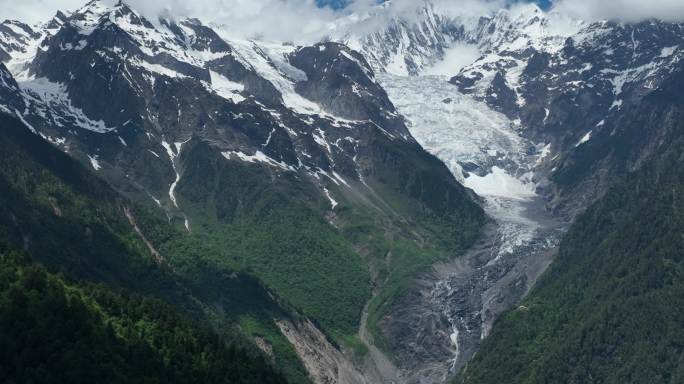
(487, 153)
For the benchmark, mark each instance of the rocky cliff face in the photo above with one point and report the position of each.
(539, 123)
(128, 87)
(292, 160)
(568, 96)
(217, 131)
(400, 44)
(560, 80)
(108, 70)
(10, 96)
(410, 41)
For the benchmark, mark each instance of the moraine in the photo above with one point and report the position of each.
(487, 153)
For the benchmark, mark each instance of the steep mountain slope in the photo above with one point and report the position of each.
(484, 149)
(609, 308)
(304, 167)
(561, 81)
(56, 331)
(71, 221)
(287, 162)
(402, 45)
(533, 111)
(572, 99)
(434, 38)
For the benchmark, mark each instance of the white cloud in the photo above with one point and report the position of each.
(299, 20)
(407, 8)
(271, 19)
(34, 11)
(455, 58)
(365, 16)
(623, 10)
(302, 20)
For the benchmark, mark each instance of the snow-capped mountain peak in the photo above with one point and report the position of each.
(522, 27)
(411, 41)
(104, 81)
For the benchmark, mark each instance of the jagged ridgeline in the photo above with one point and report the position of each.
(592, 102)
(272, 191)
(242, 182)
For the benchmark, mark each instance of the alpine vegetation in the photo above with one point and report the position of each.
(356, 192)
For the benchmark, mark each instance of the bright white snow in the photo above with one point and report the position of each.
(333, 202)
(47, 97)
(668, 51)
(262, 59)
(94, 162)
(258, 157)
(584, 139)
(172, 157)
(460, 130)
(225, 88)
(454, 127)
(500, 184)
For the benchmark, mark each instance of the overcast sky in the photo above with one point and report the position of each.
(626, 10)
(272, 19)
(284, 19)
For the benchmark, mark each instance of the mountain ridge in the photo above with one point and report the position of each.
(365, 179)
(540, 123)
(227, 137)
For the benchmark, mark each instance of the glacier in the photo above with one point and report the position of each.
(486, 151)
(483, 148)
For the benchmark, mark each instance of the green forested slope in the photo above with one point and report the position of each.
(71, 221)
(57, 331)
(268, 224)
(279, 226)
(249, 225)
(611, 307)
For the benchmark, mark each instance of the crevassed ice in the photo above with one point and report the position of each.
(501, 184)
(460, 130)
(452, 126)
